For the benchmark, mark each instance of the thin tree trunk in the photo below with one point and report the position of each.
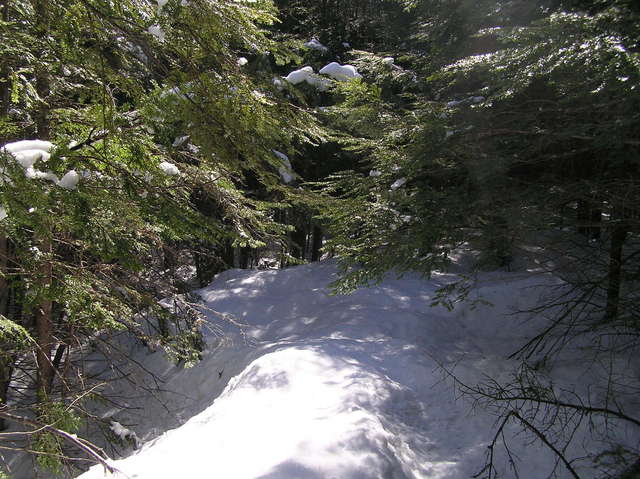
(6, 369)
(619, 233)
(5, 91)
(43, 315)
(589, 216)
(317, 243)
(44, 326)
(43, 80)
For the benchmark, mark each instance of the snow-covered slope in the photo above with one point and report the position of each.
(343, 387)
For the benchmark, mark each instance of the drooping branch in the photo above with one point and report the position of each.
(93, 451)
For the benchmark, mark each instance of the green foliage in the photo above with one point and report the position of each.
(13, 333)
(49, 445)
(112, 86)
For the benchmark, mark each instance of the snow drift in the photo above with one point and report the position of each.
(349, 387)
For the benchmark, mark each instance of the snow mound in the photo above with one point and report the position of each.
(350, 387)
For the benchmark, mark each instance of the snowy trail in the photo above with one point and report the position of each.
(343, 387)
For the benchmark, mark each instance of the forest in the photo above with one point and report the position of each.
(147, 147)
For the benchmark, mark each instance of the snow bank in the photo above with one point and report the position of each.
(340, 72)
(322, 386)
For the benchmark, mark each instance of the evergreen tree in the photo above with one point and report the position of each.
(139, 109)
(521, 139)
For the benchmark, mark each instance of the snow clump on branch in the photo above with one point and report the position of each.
(28, 152)
(340, 72)
(306, 74)
(314, 44)
(169, 168)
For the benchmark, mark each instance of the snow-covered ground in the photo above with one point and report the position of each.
(344, 387)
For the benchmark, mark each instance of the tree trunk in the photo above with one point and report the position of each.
(619, 232)
(5, 359)
(44, 326)
(43, 80)
(317, 243)
(5, 91)
(43, 315)
(614, 276)
(589, 218)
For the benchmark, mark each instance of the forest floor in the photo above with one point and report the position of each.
(297, 383)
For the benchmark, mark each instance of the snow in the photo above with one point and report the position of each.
(27, 158)
(242, 61)
(285, 170)
(277, 82)
(306, 74)
(300, 75)
(123, 433)
(314, 44)
(388, 60)
(157, 31)
(349, 387)
(333, 69)
(28, 152)
(33, 174)
(70, 180)
(398, 183)
(179, 141)
(3, 213)
(24, 145)
(169, 168)
(161, 4)
(340, 72)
